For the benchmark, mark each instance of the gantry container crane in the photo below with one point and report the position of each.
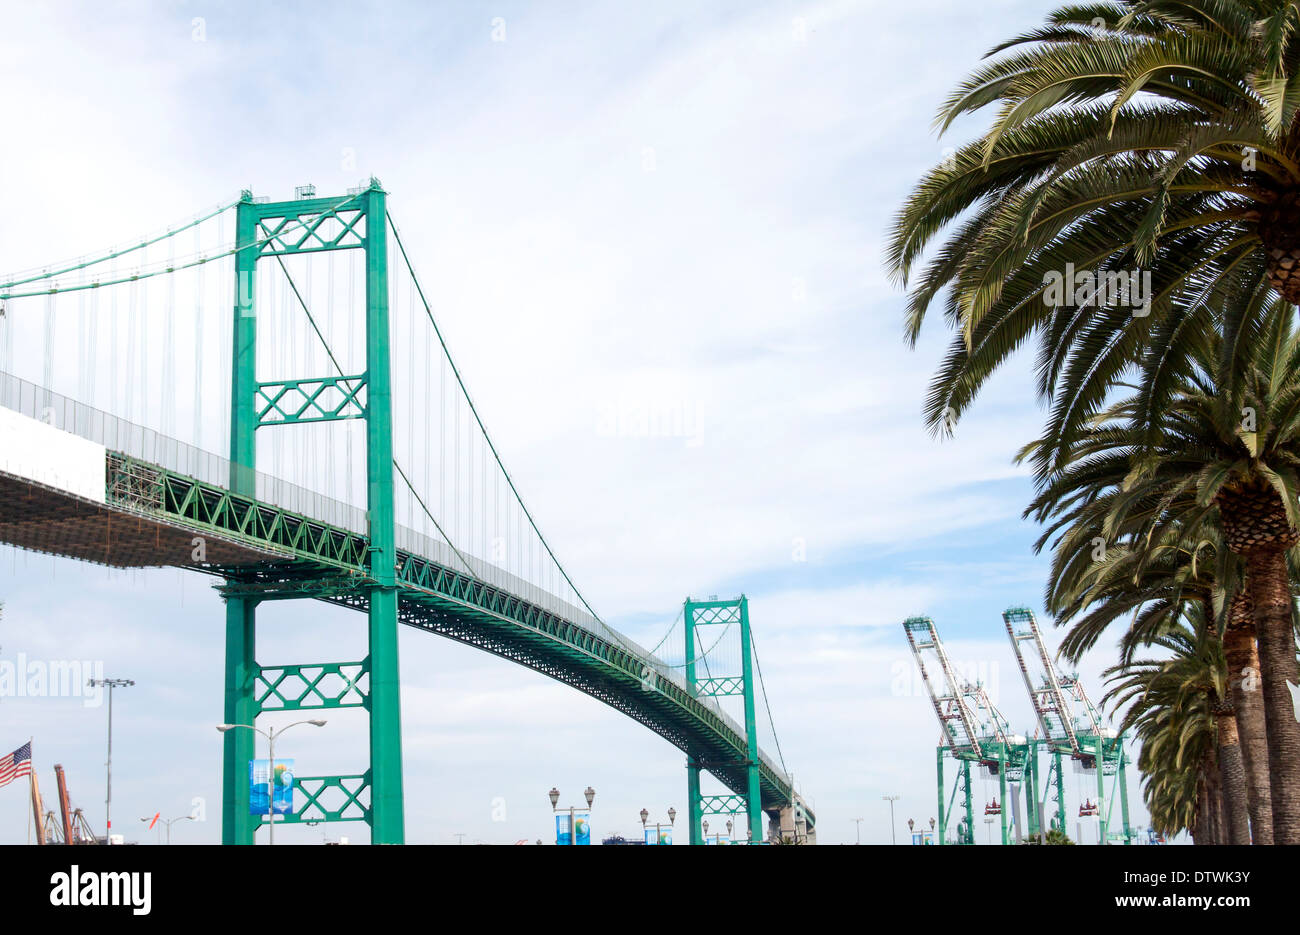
(1069, 725)
(973, 732)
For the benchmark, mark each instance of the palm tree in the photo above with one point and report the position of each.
(1178, 710)
(1109, 572)
(1137, 137)
(1132, 555)
(1239, 425)
(1157, 140)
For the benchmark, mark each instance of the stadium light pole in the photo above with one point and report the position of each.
(270, 734)
(110, 684)
(891, 799)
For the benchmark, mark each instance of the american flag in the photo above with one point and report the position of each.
(18, 763)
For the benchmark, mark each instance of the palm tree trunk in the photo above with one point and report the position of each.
(1203, 826)
(1232, 777)
(1248, 703)
(1270, 592)
(1207, 828)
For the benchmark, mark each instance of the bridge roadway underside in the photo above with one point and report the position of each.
(45, 519)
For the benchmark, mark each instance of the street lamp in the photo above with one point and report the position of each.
(891, 799)
(672, 820)
(270, 734)
(554, 795)
(110, 684)
(857, 826)
(168, 822)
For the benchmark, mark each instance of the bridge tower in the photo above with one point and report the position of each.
(266, 230)
(712, 613)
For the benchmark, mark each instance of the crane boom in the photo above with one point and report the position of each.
(951, 704)
(64, 810)
(1060, 702)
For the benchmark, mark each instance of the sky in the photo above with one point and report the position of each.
(616, 210)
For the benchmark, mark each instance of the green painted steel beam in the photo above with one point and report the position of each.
(312, 687)
(240, 679)
(324, 399)
(388, 821)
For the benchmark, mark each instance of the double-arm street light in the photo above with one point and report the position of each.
(554, 794)
(270, 734)
(168, 822)
(645, 816)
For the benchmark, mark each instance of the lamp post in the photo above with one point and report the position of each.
(588, 793)
(857, 827)
(672, 820)
(110, 684)
(891, 799)
(270, 734)
(168, 822)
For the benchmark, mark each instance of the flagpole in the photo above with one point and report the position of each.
(31, 795)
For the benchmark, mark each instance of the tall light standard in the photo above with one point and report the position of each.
(554, 795)
(857, 825)
(891, 799)
(672, 820)
(110, 684)
(270, 734)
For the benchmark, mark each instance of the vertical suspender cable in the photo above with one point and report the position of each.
(201, 344)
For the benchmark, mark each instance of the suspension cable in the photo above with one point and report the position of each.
(112, 255)
(139, 276)
(482, 428)
(763, 686)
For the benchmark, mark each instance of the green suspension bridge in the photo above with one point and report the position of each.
(325, 336)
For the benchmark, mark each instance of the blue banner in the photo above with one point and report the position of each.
(582, 820)
(660, 836)
(257, 787)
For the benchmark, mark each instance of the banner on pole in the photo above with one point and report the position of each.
(282, 797)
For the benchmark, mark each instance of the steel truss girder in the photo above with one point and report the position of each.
(324, 399)
(142, 487)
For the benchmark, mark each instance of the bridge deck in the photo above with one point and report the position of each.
(151, 517)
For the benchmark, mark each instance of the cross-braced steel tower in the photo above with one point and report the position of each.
(280, 229)
(725, 613)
